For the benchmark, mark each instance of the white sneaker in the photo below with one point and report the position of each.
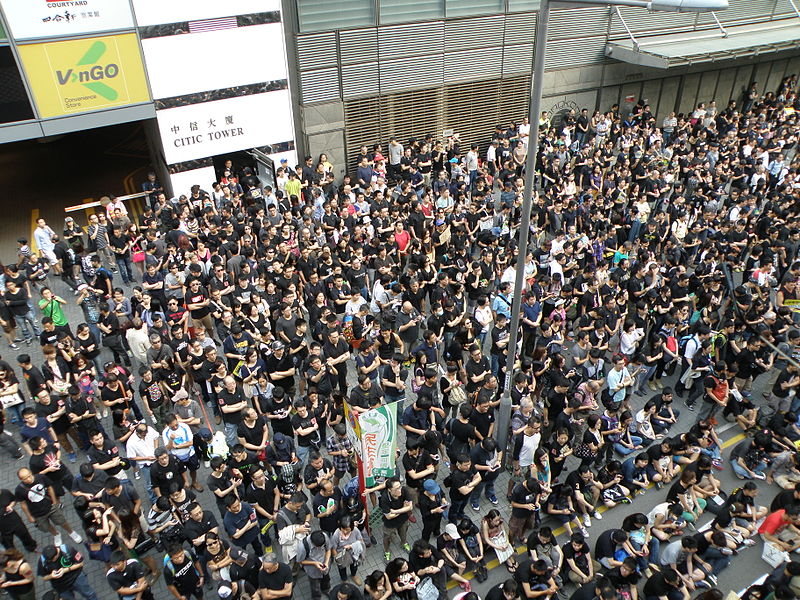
(587, 521)
(584, 532)
(76, 537)
(207, 463)
(597, 516)
(57, 541)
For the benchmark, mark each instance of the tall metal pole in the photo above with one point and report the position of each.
(537, 78)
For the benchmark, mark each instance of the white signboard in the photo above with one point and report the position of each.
(213, 128)
(30, 19)
(214, 69)
(157, 12)
(182, 182)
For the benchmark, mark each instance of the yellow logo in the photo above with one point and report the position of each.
(77, 76)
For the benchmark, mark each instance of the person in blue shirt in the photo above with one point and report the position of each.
(241, 524)
(502, 302)
(33, 426)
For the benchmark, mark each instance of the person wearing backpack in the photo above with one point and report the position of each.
(716, 391)
(688, 346)
(183, 574)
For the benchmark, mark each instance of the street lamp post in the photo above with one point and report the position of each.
(537, 78)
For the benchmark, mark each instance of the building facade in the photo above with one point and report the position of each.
(370, 69)
(207, 78)
(291, 77)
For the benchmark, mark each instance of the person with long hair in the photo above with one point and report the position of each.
(17, 575)
(131, 535)
(495, 536)
(402, 579)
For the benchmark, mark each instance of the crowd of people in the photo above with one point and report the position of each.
(221, 334)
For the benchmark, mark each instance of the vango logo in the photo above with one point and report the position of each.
(90, 74)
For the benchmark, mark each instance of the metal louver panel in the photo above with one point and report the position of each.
(644, 22)
(327, 15)
(468, 8)
(411, 40)
(520, 5)
(415, 10)
(412, 114)
(362, 120)
(564, 54)
(319, 86)
(519, 28)
(518, 59)
(738, 11)
(577, 23)
(418, 72)
(358, 45)
(465, 34)
(316, 50)
(472, 109)
(515, 99)
(404, 115)
(471, 65)
(360, 80)
(782, 9)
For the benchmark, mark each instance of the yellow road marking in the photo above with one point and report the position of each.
(494, 563)
(31, 240)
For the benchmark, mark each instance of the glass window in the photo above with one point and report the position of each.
(469, 8)
(406, 11)
(2, 31)
(335, 14)
(520, 5)
(14, 104)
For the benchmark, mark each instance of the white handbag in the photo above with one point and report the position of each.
(773, 555)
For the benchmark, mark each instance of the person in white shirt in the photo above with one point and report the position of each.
(179, 441)
(354, 304)
(524, 132)
(43, 235)
(140, 449)
(138, 340)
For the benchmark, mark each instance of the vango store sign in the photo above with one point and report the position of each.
(83, 75)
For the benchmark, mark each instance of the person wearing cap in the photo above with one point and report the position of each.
(454, 562)
(235, 590)
(432, 505)
(62, 566)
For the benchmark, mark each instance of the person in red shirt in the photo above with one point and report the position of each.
(401, 238)
(781, 528)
